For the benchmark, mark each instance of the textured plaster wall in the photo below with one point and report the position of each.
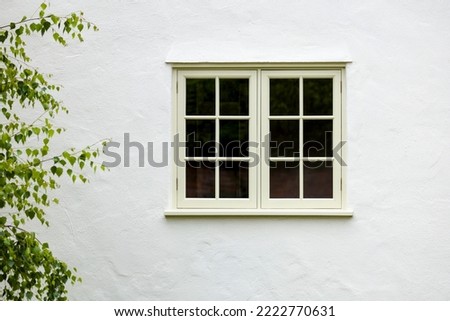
(397, 245)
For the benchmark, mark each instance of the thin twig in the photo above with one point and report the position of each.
(21, 62)
(25, 21)
(11, 227)
(76, 152)
(44, 17)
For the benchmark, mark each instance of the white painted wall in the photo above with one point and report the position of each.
(397, 246)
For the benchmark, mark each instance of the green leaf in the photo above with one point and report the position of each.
(54, 18)
(72, 160)
(30, 214)
(29, 295)
(26, 179)
(59, 171)
(20, 30)
(18, 138)
(45, 24)
(3, 35)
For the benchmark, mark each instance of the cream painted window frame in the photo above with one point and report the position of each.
(216, 203)
(258, 203)
(308, 203)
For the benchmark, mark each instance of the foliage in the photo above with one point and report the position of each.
(28, 174)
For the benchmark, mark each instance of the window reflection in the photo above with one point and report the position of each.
(284, 97)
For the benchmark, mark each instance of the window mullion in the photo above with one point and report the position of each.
(301, 185)
(217, 138)
(259, 136)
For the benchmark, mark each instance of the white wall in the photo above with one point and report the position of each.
(397, 245)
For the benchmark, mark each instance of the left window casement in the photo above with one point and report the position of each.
(217, 128)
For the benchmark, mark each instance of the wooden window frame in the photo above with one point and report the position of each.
(258, 202)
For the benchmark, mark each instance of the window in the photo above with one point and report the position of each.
(258, 140)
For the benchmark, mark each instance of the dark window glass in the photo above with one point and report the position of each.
(233, 138)
(317, 96)
(284, 180)
(200, 179)
(284, 97)
(284, 138)
(317, 138)
(233, 96)
(200, 97)
(233, 180)
(318, 179)
(200, 138)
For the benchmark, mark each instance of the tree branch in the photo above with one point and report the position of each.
(12, 227)
(76, 152)
(24, 21)
(31, 19)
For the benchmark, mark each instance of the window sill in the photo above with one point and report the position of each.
(260, 212)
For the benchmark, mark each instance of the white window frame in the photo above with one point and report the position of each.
(313, 203)
(258, 202)
(216, 202)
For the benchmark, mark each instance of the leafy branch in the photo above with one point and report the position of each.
(28, 172)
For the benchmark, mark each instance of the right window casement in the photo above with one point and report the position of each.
(284, 128)
(300, 116)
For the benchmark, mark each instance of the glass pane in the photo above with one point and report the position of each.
(317, 138)
(318, 179)
(200, 137)
(200, 179)
(234, 138)
(233, 96)
(234, 180)
(317, 96)
(284, 180)
(200, 96)
(284, 96)
(284, 138)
